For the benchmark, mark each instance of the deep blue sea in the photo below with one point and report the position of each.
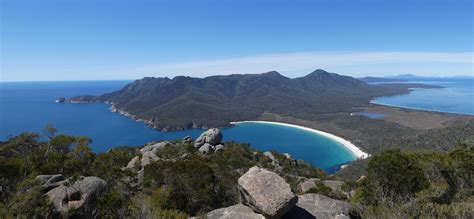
(456, 96)
(30, 106)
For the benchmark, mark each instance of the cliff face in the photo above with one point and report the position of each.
(184, 102)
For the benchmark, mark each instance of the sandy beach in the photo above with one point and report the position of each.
(351, 147)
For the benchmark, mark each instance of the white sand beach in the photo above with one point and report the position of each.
(351, 147)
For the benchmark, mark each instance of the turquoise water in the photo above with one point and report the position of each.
(30, 107)
(456, 96)
(371, 115)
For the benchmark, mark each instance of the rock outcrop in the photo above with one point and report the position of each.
(49, 182)
(187, 139)
(335, 185)
(211, 136)
(238, 211)
(307, 184)
(70, 199)
(319, 206)
(148, 155)
(266, 192)
(275, 162)
(209, 141)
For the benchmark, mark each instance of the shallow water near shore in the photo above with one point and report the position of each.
(30, 107)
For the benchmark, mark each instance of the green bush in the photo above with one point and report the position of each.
(396, 176)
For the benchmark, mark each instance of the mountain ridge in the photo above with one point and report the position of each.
(185, 102)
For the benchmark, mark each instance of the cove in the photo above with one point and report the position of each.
(30, 107)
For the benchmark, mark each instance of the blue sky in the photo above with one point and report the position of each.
(107, 40)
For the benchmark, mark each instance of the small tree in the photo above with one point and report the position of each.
(49, 132)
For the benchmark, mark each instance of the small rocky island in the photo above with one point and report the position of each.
(60, 100)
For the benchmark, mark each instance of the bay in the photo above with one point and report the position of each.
(30, 106)
(455, 96)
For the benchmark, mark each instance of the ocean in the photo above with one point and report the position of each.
(30, 106)
(456, 96)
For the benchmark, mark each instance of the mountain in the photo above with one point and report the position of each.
(184, 102)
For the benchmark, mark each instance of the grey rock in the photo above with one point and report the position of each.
(148, 154)
(187, 139)
(219, 147)
(266, 192)
(148, 157)
(307, 184)
(270, 155)
(77, 200)
(205, 148)
(49, 182)
(335, 185)
(50, 178)
(133, 163)
(289, 157)
(211, 136)
(238, 211)
(342, 216)
(319, 206)
(154, 147)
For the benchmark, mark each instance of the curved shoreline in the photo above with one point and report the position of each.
(357, 152)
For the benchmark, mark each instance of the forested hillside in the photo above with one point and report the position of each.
(184, 102)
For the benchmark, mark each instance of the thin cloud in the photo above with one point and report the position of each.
(299, 62)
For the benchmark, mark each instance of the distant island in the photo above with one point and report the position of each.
(187, 102)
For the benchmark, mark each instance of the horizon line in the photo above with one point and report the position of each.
(105, 80)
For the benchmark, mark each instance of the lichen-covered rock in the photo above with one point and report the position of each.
(219, 147)
(211, 136)
(154, 147)
(318, 206)
(238, 211)
(266, 192)
(134, 163)
(205, 148)
(187, 139)
(335, 185)
(148, 155)
(271, 157)
(307, 184)
(49, 182)
(77, 199)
